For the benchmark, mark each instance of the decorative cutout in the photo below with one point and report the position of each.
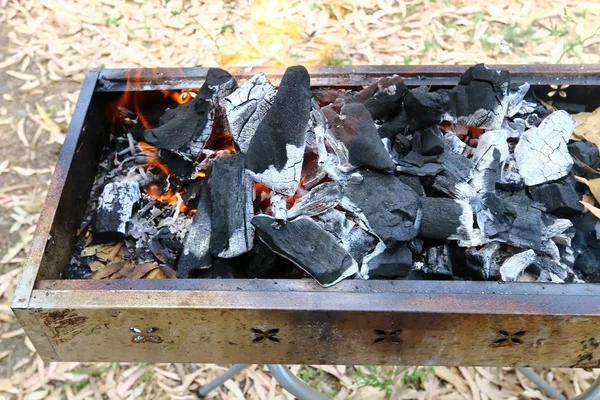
(146, 337)
(261, 336)
(558, 89)
(509, 339)
(390, 336)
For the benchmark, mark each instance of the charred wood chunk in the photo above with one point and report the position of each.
(383, 99)
(513, 267)
(227, 269)
(218, 84)
(424, 109)
(438, 263)
(180, 128)
(392, 263)
(431, 142)
(585, 152)
(402, 144)
(196, 250)
(260, 262)
(414, 183)
(317, 200)
(550, 271)
(412, 159)
(178, 165)
(542, 154)
(246, 108)
(391, 207)
(481, 97)
(165, 246)
(489, 158)
(355, 128)
(396, 126)
(231, 198)
(484, 263)
(114, 211)
(428, 169)
(560, 198)
(305, 243)
(516, 94)
(445, 218)
(275, 154)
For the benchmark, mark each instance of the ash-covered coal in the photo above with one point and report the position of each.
(478, 182)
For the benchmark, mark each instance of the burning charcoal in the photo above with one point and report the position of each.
(394, 127)
(275, 154)
(542, 154)
(391, 207)
(489, 159)
(513, 267)
(516, 95)
(114, 211)
(231, 197)
(319, 199)
(431, 143)
(246, 107)
(196, 250)
(560, 198)
(218, 84)
(191, 196)
(165, 246)
(392, 263)
(480, 99)
(181, 129)
(438, 263)
(320, 254)
(446, 219)
(383, 99)
(484, 262)
(424, 109)
(355, 128)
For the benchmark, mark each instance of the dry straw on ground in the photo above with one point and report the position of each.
(46, 46)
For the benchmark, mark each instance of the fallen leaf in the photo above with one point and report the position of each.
(93, 250)
(107, 270)
(135, 271)
(21, 75)
(592, 184)
(21, 132)
(593, 209)
(3, 166)
(95, 265)
(30, 171)
(156, 274)
(587, 126)
(168, 271)
(47, 122)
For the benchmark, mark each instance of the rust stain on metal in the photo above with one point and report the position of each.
(64, 324)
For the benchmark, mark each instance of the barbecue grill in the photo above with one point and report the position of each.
(290, 321)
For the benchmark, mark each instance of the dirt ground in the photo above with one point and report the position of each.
(46, 46)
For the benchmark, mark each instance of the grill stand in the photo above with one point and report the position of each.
(302, 391)
(281, 373)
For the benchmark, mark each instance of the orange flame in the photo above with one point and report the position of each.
(151, 157)
(170, 197)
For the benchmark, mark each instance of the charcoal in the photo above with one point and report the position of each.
(402, 144)
(181, 129)
(246, 107)
(424, 109)
(413, 182)
(483, 262)
(196, 249)
(355, 128)
(178, 165)
(316, 201)
(217, 85)
(231, 197)
(260, 262)
(438, 263)
(489, 158)
(514, 266)
(588, 264)
(191, 197)
(416, 246)
(115, 207)
(452, 188)
(480, 99)
(429, 169)
(445, 219)
(550, 271)
(227, 269)
(569, 106)
(392, 263)
(542, 154)
(559, 198)
(383, 99)
(391, 207)
(275, 154)
(457, 167)
(585, 151)
(432, 143)
(165, 246)
(516, 94)
(320, 254)
(396, 126)
(412, 159)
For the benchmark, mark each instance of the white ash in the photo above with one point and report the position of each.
(364, 268)
(542, 153)
(286, 180)
(123, 195)
(246, 107)
(515, 99)
(556, 228)
(279, 206)
(489, 158)
(454, 144)
(316, 201)
(513, 267)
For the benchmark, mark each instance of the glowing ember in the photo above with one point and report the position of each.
(152, 158)
(170, 197)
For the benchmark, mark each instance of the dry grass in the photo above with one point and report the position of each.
(48, 45)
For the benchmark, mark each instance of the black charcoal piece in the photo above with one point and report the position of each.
(178, 165)
(550, 270)
(456, 166)
(231, 197)
(196, 249)
(392, 263)
(438, 263)
(484, 262)
(181, 129)
(383, 99)
(391, 207)
(514, 266)
(227, 269)
(424, 109)
(432, 143)
(394, 127)
(165, 246)
(191, 196)
(559, 198)
(585, 152)
(355, 128)
(428, 169)
(218, 84)
(516, 94)
(444, 218)
(588, 264)
(114, 211)
(246, 107)
(412, 159)
(275, 154)
(305, 243)
(459, 190)
(414, 183)
(416, 246)
(402, 144)
(260, 262)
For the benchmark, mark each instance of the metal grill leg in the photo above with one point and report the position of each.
(295, 386)
(593, 392)
(221, 379)
(541, 383)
